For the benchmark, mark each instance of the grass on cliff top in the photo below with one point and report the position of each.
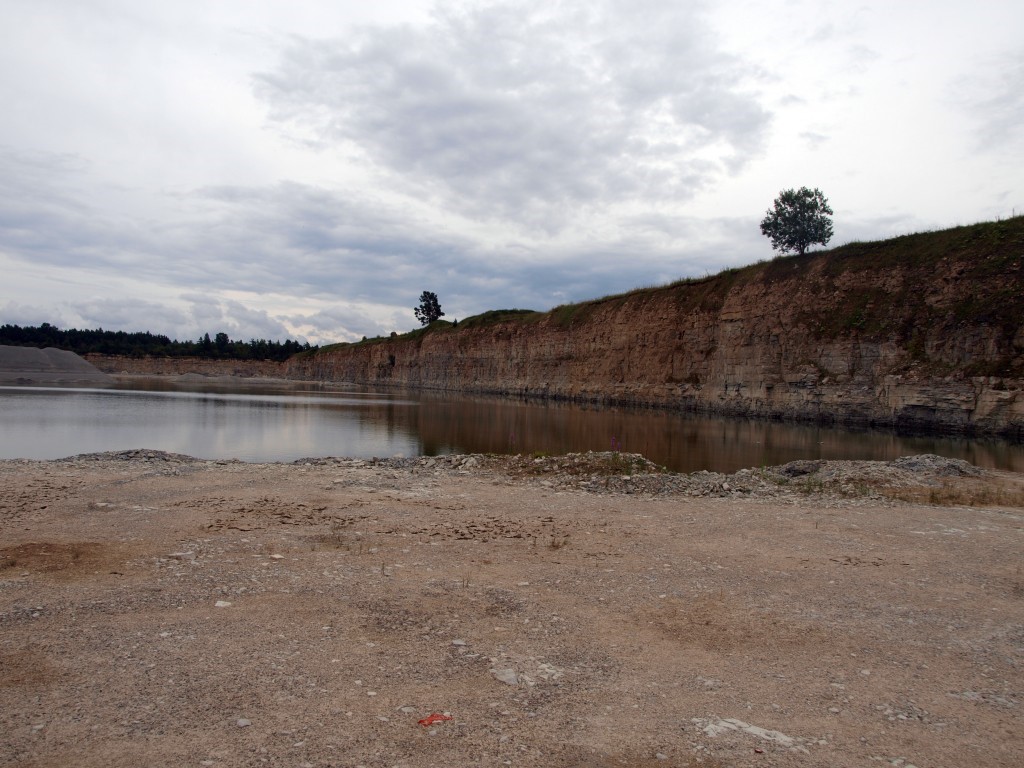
(495, 316)
(492, 317)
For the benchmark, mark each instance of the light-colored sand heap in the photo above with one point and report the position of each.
(28, 366)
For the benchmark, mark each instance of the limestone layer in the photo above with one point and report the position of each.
(928, 335)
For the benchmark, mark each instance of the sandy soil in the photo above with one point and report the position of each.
(157, 610)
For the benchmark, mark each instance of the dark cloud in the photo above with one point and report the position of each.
(342, 264)
(529, 111)
(324, 244)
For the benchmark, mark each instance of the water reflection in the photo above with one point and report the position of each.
(286, 421)
(685, 443)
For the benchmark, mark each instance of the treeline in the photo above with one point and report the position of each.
(146, 344)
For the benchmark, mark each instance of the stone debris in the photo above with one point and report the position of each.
(222, 604)
(616, 472)
(718, 727)
(138, 454)
(986, 698)
(507, 676)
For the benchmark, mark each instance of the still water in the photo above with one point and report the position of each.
(289, 422)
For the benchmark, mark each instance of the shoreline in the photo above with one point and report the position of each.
(566, 611)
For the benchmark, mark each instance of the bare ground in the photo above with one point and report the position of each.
(575, 611)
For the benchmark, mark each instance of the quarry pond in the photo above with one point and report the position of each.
(262, 421)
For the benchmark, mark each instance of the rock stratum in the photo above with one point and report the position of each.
(922, 332)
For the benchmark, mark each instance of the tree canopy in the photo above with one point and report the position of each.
(800, 218)
(429, 309)
(144, 343)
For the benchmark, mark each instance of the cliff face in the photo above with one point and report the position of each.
(925, 331)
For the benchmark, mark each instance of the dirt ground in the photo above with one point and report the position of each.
(158, 610)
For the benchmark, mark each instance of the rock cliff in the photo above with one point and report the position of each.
(924, 332)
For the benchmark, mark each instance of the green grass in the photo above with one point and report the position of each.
(496, 316)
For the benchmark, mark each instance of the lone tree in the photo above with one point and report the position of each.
(800, 218)
(429, 309)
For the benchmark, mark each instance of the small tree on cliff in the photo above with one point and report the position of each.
(429, 309)
(801, 217)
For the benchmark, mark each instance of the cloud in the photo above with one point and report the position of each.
(239, 321)
(528, 111)
(123, 314)
(16, 313)
(39, 211)
(1001, 111)
(813, 139)
(343, 323)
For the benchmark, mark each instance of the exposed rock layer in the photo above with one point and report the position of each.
(922, 332)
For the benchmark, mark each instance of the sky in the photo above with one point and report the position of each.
(305, 169)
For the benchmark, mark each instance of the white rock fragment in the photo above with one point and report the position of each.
(222, 604)
(731, 724)
(507, 676)
(243, 722)
(459, 643)
(277, 557)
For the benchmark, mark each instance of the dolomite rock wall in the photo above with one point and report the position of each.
(871, 348)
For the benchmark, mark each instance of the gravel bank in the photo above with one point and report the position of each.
(582, 610)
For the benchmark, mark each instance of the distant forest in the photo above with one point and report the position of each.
(146, 344)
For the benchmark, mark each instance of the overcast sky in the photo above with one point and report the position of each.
(306, 168)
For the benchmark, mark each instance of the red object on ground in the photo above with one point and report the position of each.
(434, 718)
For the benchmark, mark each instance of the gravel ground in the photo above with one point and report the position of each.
(581, 610)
